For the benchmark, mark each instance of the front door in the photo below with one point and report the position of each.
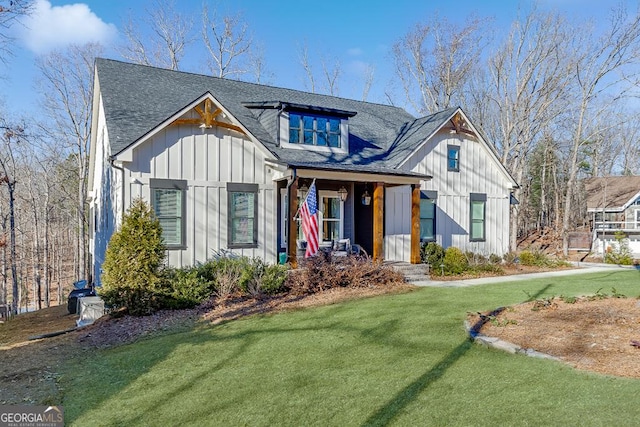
(331, 216)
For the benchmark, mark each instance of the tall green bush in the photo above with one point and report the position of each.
(619, 252)
(455, 261)
(432, 253)
(131, 275)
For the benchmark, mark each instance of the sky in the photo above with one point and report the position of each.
(359, 34)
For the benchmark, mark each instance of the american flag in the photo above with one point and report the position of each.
(308, 212)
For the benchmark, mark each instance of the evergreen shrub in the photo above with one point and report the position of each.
(131, 278)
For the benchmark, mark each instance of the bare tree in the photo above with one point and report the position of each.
(435, 61)
(602, 67)
(165, 44)
(228, 42)
(331, 74)
(528, 78)
(258, 66)
(303, 54)
(12, 135)
(368, 81)
(67, 84)
(10, 12)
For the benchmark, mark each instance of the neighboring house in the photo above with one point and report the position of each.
(613, 205)
(219, 160)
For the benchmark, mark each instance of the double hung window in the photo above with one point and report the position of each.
(428, 215)
(478, 211)
(453, 158)
(168, 202)
(242, 230)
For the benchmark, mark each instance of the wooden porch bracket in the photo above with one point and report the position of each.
(292, 248)
(415, 224)
(378, 221)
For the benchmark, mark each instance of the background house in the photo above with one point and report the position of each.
(613, 205)
(225, 163)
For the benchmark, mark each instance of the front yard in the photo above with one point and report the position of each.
(399, 359)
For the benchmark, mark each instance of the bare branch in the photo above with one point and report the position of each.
(228, 43)
(170, 34)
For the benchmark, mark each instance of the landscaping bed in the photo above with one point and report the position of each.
(598, 333)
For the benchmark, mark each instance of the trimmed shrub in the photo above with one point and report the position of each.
(264, 278)
(455, 261)
(433, 254)
(185, 288)
(131, 277)
(620, 253)
(495, 259)
(538, 258)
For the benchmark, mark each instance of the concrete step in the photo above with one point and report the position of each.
(411, 272)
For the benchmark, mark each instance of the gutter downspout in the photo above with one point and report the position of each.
(113, 165)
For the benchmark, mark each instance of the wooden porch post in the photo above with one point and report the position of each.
(292, 224)
(415, 224)
(378, 221)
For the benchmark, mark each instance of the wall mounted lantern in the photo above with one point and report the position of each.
(342, 192)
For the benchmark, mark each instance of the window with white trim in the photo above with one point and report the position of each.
(331, 216)
(307, 129)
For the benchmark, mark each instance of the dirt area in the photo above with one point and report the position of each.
(591, 333)
(30, 369)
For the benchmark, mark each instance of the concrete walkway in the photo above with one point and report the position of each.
(581, 268)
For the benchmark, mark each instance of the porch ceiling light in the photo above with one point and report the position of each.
(366, 198)
(303, 191)
(343, 193)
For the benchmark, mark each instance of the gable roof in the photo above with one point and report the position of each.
(138, 99)
(612, 193)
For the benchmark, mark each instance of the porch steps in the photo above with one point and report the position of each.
(412, 272)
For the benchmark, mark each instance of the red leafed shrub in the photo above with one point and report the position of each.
(323, 272)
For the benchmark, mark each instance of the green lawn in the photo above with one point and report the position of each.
(391, 360)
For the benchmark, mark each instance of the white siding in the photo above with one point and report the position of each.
(106, 200)
(207, 160)
(397, 223)
(479, 173)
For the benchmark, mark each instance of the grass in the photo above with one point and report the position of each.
(391, 360)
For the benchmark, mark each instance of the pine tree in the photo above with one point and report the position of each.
(131, 276)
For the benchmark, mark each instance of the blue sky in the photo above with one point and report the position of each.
(357, 33)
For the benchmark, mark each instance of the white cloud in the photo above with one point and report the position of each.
(51, 27)
(354, 51)
(358, 68)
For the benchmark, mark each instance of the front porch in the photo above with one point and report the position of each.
(353, 206)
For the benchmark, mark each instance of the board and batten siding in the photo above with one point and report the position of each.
(207, 159)
(479, 173)
(397, 223)
(104, 198)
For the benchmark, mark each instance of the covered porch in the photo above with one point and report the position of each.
(359, 206)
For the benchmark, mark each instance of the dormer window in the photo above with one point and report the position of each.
(315, 130)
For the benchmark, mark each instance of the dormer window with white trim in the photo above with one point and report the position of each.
(309, 129)
(304, 127)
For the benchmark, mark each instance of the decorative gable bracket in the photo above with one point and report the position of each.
(459, 125)
(209, 115)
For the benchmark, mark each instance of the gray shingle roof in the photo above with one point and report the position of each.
(138, 98)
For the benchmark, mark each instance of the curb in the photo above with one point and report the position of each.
(499, 344)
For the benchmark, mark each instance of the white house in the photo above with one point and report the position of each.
(613, 205)
(219, 160)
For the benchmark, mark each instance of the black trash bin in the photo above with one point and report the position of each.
(81, 291)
